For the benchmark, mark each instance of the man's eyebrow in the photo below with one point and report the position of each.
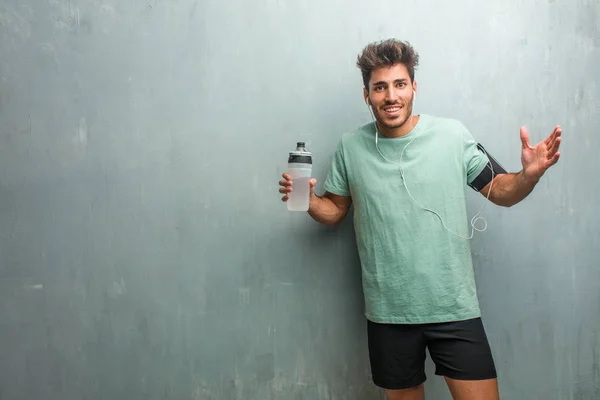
(401, 80)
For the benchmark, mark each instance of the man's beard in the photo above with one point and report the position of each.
(396, 123)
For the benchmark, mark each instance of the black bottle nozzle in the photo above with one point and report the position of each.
(301, 146)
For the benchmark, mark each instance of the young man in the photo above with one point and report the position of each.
(406, 175)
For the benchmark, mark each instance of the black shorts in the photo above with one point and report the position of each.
(459, 350)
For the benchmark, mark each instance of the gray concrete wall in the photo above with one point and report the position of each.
(144, 252)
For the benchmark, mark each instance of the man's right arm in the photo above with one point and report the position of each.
(330, 209)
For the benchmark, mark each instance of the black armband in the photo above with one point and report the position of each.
(492, 169)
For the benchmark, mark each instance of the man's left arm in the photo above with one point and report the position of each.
(508, 189)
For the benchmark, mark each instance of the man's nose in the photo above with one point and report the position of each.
(391, 95)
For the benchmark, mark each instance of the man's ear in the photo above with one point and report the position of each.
(366, 95)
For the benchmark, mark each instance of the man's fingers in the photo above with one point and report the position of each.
(286, 186)
(554, 159)
(555, 145)
(552, 138)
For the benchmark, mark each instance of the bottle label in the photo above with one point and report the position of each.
(299, 158)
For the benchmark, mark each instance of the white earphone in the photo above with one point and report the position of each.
(475, 217)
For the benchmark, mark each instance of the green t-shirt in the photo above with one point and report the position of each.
(413, 269)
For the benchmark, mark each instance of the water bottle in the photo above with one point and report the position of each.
(300, 169)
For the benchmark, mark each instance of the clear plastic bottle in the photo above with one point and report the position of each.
(300, 169)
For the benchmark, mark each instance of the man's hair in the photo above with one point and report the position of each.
(387, 53)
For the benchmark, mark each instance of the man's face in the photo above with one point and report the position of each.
(391, 95)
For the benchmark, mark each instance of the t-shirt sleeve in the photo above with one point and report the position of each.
(474, 159)
(337, 177)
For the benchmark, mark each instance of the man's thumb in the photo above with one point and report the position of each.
(524, 137)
